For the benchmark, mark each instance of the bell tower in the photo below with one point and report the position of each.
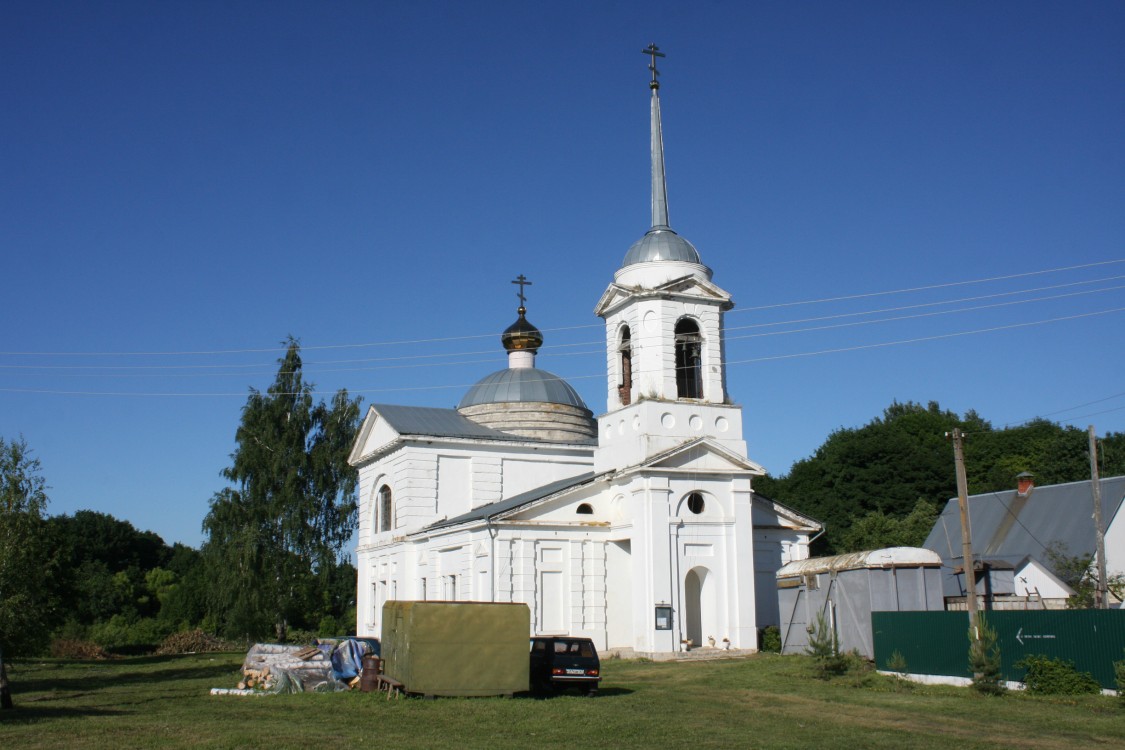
(664, 324)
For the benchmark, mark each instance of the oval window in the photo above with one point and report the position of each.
(695, 503)
(585, 509)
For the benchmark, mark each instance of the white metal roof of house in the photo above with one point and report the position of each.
(890, 557)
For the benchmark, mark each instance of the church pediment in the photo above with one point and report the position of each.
(374, 433)
(613, 296)
(690, 287)
(703, 455)
(693, 286)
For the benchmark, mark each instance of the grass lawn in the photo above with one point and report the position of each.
(764, 701)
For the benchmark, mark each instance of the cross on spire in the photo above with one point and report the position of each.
(522, 281)
(653, 52)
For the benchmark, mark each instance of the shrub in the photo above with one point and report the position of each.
(119, 633)
(771, 639)
(897, 662)
(1119, 673)
(824, 648)
(193, 641)
(301, 636)
(69, 648)
(984, 659)
(1050, 676)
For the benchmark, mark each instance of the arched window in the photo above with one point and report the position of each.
(585, 509)
(386, 509)
(689, 356)
(625, 351)
(695, 503)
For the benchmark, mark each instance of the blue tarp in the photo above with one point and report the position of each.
(347, 659)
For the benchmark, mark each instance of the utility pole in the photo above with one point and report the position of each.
(966, 533)
(1101, 600)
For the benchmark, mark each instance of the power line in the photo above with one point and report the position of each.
(821, 352)
(1071, 408)
(444, 339)
(319, 366)
(929, 287)
(927, 304)
(922, 315)
(925, 338)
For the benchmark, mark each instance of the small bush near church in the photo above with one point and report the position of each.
(1049, 676)
(824, 648)
(771, 639)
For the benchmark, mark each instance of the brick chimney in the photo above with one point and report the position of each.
(1025, 483)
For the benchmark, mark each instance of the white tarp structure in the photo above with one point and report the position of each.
(846, 589)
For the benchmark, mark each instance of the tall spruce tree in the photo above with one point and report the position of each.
(291, 507)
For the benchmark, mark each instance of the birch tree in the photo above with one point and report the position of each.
(291, 506)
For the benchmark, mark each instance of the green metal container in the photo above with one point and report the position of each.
(457, 648)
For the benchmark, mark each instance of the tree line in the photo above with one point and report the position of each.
(274, 560)
(883, 484)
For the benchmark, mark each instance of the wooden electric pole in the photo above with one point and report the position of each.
(1101, 600)
(966, 533)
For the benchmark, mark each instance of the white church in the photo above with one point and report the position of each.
(638, 528)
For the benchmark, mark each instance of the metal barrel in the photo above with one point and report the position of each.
(369, 677)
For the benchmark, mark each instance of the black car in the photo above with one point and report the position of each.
(559, 662)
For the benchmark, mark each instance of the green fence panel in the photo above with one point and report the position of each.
(937, 643)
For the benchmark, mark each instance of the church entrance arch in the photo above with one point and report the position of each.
(700, 616)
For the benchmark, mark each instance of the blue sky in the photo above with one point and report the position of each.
(183, 185)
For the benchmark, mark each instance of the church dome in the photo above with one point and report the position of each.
(524, 400)
(522, 385)
(522, 335)
(661, 243)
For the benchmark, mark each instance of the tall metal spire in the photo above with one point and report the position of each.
(660, 243)
(659, 186)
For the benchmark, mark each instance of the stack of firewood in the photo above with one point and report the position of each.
(265, 661)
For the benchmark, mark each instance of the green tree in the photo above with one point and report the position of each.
(877, 530)
(884, 467)
(105, 563)
(984, 659)
(26, 557)
(1081, 574)
(291, 509)
(865, 482)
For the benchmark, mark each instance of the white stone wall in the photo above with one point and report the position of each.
(628, 436)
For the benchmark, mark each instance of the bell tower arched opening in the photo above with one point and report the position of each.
(689, 359)
(625, 363)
